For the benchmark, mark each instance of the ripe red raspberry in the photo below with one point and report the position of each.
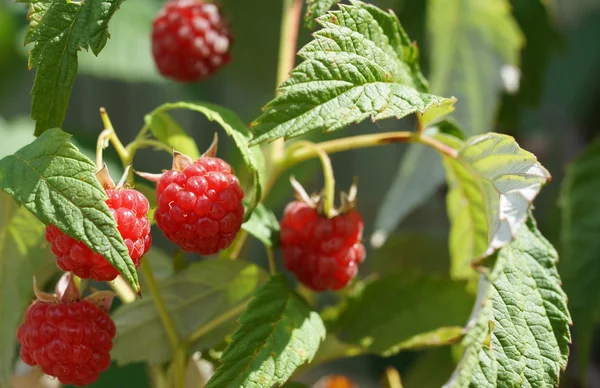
(190, 41)
(199, 204)
(322, 252)
(69, 338)
(129, 208)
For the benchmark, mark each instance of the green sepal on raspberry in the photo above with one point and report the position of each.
(199, 202)
(129, 208)
(322, 252)
(190, 40)
(68, 337)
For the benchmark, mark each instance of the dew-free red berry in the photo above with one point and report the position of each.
(190, 40)
(200, 207)
(199, 202)
(323, 253)
(129, 208)
(69, 338)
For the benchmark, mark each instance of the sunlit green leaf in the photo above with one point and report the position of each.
(518, 333)
(360, 65)
(57, 183)
(58, 30)
(278, 333)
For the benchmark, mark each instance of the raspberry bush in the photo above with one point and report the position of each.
(252, 282)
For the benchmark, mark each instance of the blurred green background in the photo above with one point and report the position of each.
(553, 114)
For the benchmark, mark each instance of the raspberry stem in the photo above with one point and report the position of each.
(177, 347)
(288, 37)
(109, 135)
(329, 189)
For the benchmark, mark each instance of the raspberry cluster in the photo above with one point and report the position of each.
(190, 41)
(129, 208)
(323, 253)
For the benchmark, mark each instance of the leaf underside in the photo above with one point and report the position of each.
(492, 185)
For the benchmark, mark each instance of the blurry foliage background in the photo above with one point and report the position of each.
(553, 114)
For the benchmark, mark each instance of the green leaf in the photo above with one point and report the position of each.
(210, 294)
(23, 254)
(128, 57)
(492, 185)
(57, 183)
(360, 65)
(316, 8)
(421, 305)
(471, 41)
(518, 334)
(580, 264)
(167, 130)
(263, 225)
(58, 30)
(278, 333)
(235, 128)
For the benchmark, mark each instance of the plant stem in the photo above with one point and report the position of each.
(392, 378)
(123, 290)
(297, 155)
(272, 263)
(212, 324)
(329, 189)
(438, 145)
(161, 307)
(288, 37)
(108, 134)
(238, 244)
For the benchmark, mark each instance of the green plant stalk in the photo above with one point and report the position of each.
(329, 179)
(108, 134)
(161, 308)
(272, 263)
(288, 37)
(126, 155)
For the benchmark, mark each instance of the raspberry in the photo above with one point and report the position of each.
(68, 338)
(129, 208)
(190, 41)
(199, 204)
(322, 252)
